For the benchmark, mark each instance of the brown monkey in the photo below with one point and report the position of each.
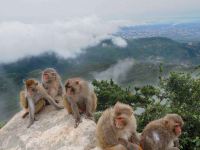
(35, 92)
(115, 127)
(79, 98)
(162, 133)
(51, 81)
(24, 104)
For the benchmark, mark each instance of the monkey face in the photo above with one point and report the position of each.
(120, 122)
(49, 76)
(31, 86)
(72, 86)
(68, 85)
(45, 77)
(177, 129)
(122, 113)
(31, 90)
(174, 123)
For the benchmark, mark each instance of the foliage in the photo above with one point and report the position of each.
(184, 92)
(179, 93)
(97, 115)
(109, 93)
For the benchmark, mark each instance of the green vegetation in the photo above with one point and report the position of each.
(179, 93)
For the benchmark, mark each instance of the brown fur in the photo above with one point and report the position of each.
(33, 99)
(67, 106)
(109, 136)
(159, 134)
(24, 104)
(79, 98)
(53, 85)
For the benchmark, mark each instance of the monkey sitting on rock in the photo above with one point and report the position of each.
(33, 99)
(161, 134)
(115, 128)
(79, 98)
(51, 81)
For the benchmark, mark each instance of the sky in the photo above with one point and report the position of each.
(31, 27)
(51, 10)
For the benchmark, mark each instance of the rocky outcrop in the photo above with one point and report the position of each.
(54, 130)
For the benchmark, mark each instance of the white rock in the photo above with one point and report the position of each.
(53, 131)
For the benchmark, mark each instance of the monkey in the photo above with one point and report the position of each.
(34, 92)
(51, 81)
(79, 98)
(162, 134)
(115, 127)
(24, 104)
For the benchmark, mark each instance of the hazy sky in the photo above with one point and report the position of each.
(30, 27)
(51, 10)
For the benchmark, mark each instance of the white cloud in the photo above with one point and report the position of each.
(120, 42)
(30, 27)
(51, 10)
(116, 72)
(18, 39)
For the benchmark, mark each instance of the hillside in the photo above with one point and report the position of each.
(145, 55)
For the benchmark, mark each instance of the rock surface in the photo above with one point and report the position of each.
(54, 130)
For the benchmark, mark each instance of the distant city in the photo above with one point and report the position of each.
(183, 32)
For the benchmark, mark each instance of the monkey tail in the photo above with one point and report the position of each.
(67, 105)
(22, 99)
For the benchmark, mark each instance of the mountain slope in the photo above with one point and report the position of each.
(148, 53)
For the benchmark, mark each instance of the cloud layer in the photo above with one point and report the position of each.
(66, 38)
(120, 42)
(116, 72)
(48, 10)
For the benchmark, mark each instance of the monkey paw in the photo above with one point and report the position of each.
(30, 123)
(77, 122)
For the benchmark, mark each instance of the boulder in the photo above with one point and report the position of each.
(54, 130)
